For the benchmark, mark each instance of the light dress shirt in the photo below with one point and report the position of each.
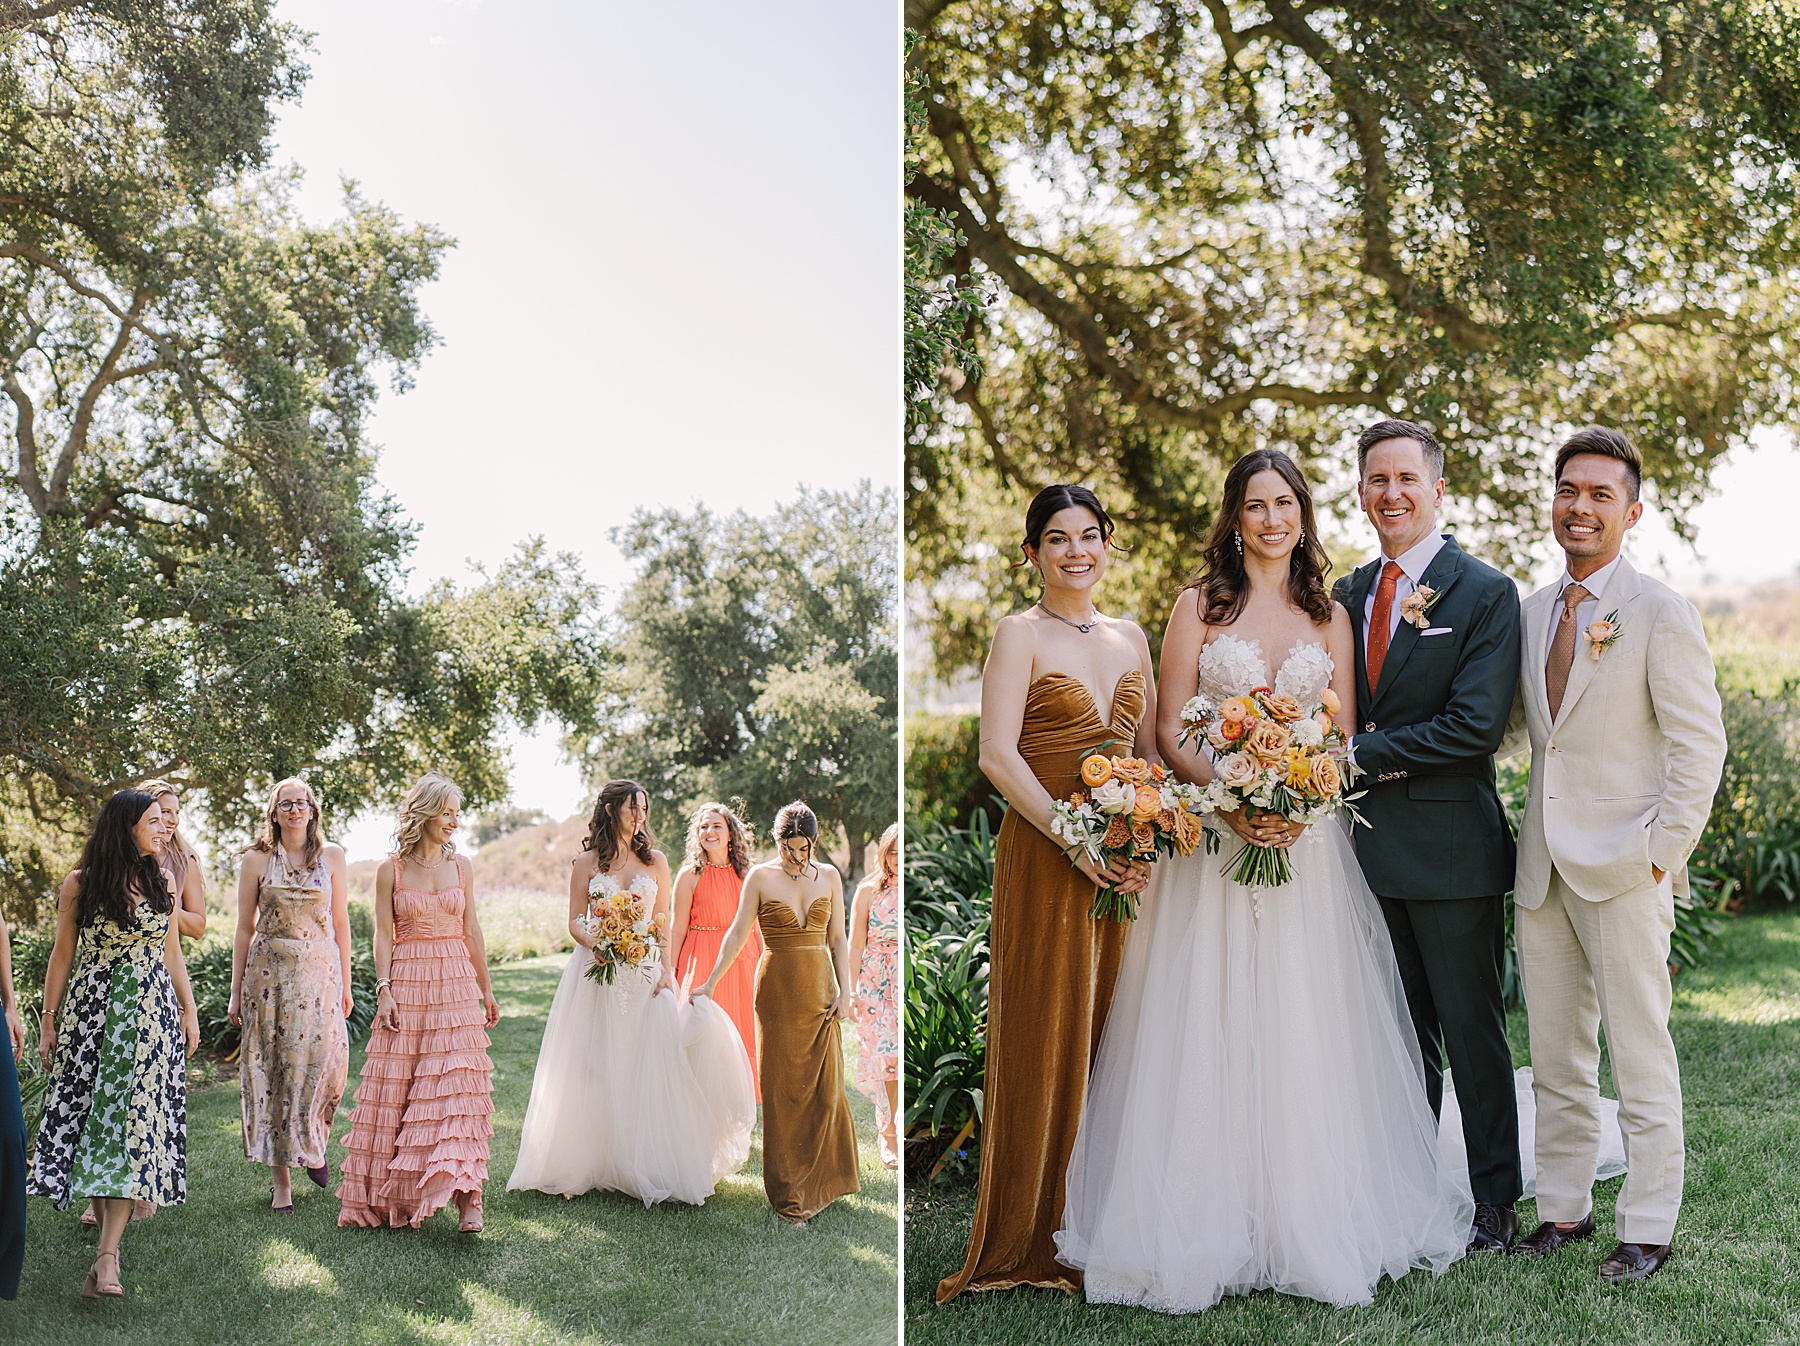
(1587, 611)
(1414, 561)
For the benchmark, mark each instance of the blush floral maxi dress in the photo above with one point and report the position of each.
(878, 997)
(115, 1118)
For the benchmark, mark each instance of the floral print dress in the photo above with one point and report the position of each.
(878, 997)
(115, 1118)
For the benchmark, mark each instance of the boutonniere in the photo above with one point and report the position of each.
(1416, 604)
(1601, 634)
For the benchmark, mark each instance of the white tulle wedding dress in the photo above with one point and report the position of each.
(633, 1092)
(1257, 1115)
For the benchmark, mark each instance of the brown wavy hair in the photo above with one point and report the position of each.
(1221, 579)
(603, 826)
(268, 840)
(737, 837)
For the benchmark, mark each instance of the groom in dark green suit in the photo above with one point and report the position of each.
(1437, 661)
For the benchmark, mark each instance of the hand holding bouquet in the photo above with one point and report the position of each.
(625, 933)
(1127, 809)
(1271, 755)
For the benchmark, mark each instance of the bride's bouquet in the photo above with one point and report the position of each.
(1128, 809)
(625, 933)
(1272, 755)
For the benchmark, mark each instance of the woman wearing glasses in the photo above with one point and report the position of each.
(290, 990)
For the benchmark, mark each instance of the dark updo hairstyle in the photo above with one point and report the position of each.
(1221, 580)
(603, 826)
(112, 868)
(1051, 501)
(797, 820)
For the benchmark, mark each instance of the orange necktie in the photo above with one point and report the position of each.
(1380, 620)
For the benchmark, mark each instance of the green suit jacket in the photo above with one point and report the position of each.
(1425, 739)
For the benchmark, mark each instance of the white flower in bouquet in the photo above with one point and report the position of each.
(1308, 734)
(1114, 797)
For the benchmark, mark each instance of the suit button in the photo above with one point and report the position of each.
(1369, 728)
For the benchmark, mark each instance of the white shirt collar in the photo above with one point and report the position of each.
(1416, 559)
(1595, 583)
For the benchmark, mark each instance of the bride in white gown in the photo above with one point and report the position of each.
(1257, 1116)
(636, 1089)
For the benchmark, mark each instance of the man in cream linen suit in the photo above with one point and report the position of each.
(1616, 689)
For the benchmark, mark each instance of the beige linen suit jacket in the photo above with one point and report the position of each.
(1623, 778)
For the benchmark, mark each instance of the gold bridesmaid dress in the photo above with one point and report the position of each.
(809, 1141)
(1050, 982)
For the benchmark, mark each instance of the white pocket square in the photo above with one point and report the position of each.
(1435, 631)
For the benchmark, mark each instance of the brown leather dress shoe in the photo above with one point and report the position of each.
(1547, 1238)
(1633, 1262)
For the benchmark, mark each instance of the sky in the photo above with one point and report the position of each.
(676, 279)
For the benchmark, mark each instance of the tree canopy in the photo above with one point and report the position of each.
(202, 579)
(759, 658)
(1235, 224)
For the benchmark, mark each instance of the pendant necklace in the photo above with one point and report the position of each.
(1083, 627)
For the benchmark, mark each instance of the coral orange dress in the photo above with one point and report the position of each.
(710, 912)
(420, 1131)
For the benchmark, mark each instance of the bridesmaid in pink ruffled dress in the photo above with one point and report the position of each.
(419, 1136)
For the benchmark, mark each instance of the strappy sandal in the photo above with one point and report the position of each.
(470, 1223)
(280, 1210)
(142, 1210)
(88, 1218)
(93, 1287)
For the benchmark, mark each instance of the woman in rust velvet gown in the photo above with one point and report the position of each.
(706, 900)
(1060, 681)
(803, 995)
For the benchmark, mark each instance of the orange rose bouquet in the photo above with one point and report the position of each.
(1272, 755)
(626, 933)
(1127, 809)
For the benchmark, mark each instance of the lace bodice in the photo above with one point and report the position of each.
(605, 885)
(1230, 667)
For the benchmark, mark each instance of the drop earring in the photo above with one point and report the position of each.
(1301, 540)
(1239, 539)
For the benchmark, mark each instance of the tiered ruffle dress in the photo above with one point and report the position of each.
(424, 1109)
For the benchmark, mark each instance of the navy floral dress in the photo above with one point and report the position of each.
(115, 1119)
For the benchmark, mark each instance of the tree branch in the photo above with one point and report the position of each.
(107, 375)
(18, 14)
(26, 430)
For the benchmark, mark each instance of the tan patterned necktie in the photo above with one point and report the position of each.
(1562, 649)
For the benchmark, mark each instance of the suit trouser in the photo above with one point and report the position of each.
(1450, 954)
(1585, 964)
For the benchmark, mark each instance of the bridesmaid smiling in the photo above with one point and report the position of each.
(706, 898)
(1060, 680)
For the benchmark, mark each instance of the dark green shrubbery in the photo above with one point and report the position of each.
(944, 783)
(1751, 849)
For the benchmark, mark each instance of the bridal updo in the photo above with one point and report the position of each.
(1221, 579)
(1050, 502)
(603, 826)
(796, 822)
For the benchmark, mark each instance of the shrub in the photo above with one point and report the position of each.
(1751, 847)
(943, 778)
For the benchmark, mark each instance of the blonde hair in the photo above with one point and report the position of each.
(430, 795)
(157, 788)
(737, 838)
(269, 839)
(890, 842)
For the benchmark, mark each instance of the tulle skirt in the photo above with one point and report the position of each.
(1257, 1115)
(647, 1095)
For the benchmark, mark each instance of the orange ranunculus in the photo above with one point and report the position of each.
(1147, 804)
(1237, 708)
(1267, 741)
(1118, 832)
(1096, 769)
(1188, 831)
(1329, 700)
(1143, 838)
(1281, 707)
(1327, 776)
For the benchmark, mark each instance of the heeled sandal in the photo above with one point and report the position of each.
(93, 1287)
(280, 1210)
(470, 1211)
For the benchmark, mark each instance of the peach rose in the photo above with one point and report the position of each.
(1143, 838)
(1147, 804)
(1329, 700)
(1267, 741)
(1237, 770)
(1187, 831)
(1237, 708)
(1327, 776)
(1281, 707)
(1096, 770)
(1132, 770)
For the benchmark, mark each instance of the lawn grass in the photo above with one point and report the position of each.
(598, 1269)
(1735, 1276)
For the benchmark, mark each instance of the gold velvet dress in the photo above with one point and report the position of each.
(1050, 982)
(809, 1141)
